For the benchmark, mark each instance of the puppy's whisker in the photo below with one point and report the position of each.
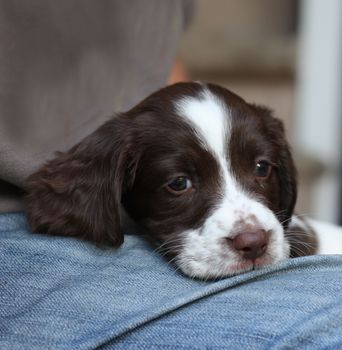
(297, 233)
(301, 215)
(280, 212)
(168, 243)
(169, 246)
(295, 244)
(300, 242)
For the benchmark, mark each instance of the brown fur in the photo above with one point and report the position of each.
(129, 160)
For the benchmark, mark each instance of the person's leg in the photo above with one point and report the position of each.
(66, 294)
(297, 305)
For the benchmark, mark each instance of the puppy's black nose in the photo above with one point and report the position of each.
(251, 244)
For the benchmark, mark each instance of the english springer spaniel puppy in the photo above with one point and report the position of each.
(207, 175)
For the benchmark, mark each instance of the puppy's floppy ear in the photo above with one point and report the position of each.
(286, 170)
(79, 192)
(287, 175)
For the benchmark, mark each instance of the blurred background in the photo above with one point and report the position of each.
(285, 54)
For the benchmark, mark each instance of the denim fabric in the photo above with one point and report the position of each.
(62, 293)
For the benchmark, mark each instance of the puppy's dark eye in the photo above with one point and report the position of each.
(263, 169)
(179, 185)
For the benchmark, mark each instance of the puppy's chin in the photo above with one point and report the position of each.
(208, 271)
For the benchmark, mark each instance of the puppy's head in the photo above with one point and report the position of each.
(206, 174)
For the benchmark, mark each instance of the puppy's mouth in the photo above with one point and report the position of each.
(225, 269)
(253, 264)
(246, 265)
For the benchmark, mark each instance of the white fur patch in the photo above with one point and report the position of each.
(329, 237)
(209, 115)
(205, 252)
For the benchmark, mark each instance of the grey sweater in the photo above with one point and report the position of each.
(66, 66)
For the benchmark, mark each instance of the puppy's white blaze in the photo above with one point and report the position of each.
(209, 117)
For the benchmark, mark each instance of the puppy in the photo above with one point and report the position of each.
(207, 175)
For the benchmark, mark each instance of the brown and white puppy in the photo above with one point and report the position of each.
(207, 175)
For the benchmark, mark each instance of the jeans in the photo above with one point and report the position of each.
(63, 293)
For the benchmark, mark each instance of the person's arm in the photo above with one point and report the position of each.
(178, 72)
